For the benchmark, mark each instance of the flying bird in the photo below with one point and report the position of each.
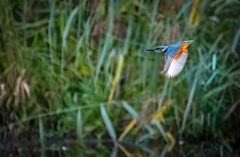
(175, 57)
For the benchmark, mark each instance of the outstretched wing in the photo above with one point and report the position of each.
(170, 53)
(173, 66)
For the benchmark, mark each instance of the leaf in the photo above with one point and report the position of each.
(41, 132)
(130, 109)
(194, 14)
(171, 141)
(68, 26)
(79, 123)
(127, 129)
(134, 114)
(235, 41)
(108, 123)
(116, 78)
(191, 95)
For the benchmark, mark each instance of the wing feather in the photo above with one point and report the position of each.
(174, 66)
(167, 64)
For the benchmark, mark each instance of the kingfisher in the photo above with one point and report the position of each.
(175, 57)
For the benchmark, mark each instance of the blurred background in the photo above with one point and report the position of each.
(75, 78)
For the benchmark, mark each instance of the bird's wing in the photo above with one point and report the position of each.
(174, 66)
(170, 53)
(172, 50)
(168, 60)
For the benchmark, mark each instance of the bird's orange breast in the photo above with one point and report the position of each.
(180, 51)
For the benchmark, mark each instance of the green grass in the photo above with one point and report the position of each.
(88, 72)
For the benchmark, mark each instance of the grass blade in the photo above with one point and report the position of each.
(41, 132)
(191, 95)
(127, 129)
(65, 35)
(79, 123)
(130, 109)
(134, 114)
(116, 78)
(108, 123)
(236, 40)
(51, 31)
(108, 40)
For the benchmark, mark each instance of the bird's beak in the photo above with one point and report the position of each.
(189, 41)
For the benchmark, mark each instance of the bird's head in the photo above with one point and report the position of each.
(158, 49)
(186, 43)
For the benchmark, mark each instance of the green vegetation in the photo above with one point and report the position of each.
(80, 68)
